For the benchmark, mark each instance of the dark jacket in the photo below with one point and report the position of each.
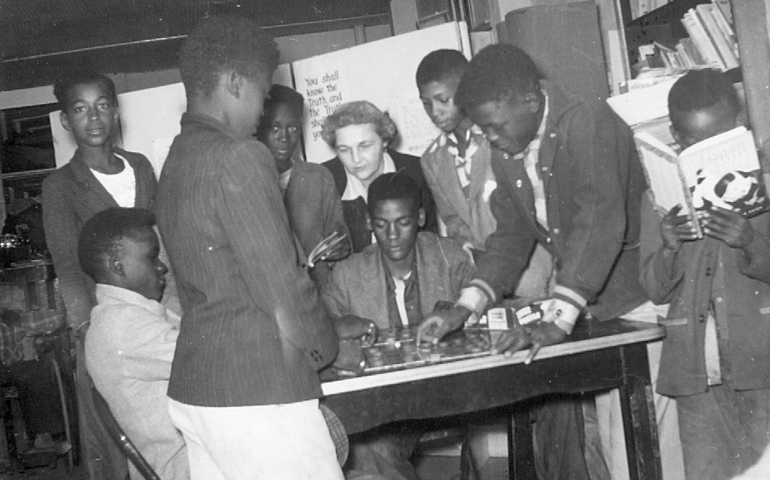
(253, 332)
(708, 274)
(593, 183)
(315, 209)
(355, 210)
(71, 196)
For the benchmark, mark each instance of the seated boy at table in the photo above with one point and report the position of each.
(458, 167)
(132, 338)
(716, 354)
(395, 282)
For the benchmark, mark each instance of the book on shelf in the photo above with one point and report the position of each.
(643, 7)
(712, 35)
(721, 171)
(711, 43)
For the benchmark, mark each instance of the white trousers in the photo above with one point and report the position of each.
(610, 419)
(266, 442)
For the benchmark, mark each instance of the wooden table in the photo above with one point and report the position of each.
(598, 356)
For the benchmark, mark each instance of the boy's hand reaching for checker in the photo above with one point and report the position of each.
(353, 333)
(440, 322)
(351, 327)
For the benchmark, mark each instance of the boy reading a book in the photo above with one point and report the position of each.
(396, 281)
(132, 339)
(716, 354)
(458, 167)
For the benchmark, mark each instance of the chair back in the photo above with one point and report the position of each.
(120, 437)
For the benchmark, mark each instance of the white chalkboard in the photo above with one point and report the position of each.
(381, 72)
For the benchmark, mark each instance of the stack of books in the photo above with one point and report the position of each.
(713, 36)
(712, 43)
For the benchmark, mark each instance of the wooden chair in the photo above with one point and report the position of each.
(120, 437)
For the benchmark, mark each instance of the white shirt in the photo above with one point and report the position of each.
(530, 158)
(122, 186)
(400, 292)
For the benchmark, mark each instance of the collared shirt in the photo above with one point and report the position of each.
(355, 188)
(403, 295)
(463, 163)
(530, 158)
(283, 179)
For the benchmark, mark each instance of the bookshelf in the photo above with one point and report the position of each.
(663, 23)
(750, 19)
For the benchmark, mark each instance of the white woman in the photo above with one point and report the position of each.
(361, 135)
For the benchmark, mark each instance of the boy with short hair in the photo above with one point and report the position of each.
(716, 354)
(132, 338)
(309, 193)
(397, 281)
(458, 169)
(244, 384)
(99, 176)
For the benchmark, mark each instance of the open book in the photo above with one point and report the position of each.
(324, 247)
(722, 170)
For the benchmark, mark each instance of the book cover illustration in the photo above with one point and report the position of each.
(724, 171)
(721, 171)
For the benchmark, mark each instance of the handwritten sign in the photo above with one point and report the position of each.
(381, 72)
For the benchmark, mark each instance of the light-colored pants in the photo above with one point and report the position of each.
(265, 442)
(610, 419)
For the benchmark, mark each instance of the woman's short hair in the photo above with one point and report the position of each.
(358, 113)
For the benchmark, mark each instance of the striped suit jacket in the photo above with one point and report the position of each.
(252, 331)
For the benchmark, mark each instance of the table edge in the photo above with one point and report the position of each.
(347, 385)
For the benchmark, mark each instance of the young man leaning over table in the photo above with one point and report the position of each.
(568, 178)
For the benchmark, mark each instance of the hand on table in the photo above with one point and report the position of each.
(350, 357)
(559, 317)
(537, 334)
(351, 327)
(441, 322)
(730, 228)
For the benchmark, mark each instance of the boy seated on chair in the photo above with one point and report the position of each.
(395, 282)
(132, 338)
